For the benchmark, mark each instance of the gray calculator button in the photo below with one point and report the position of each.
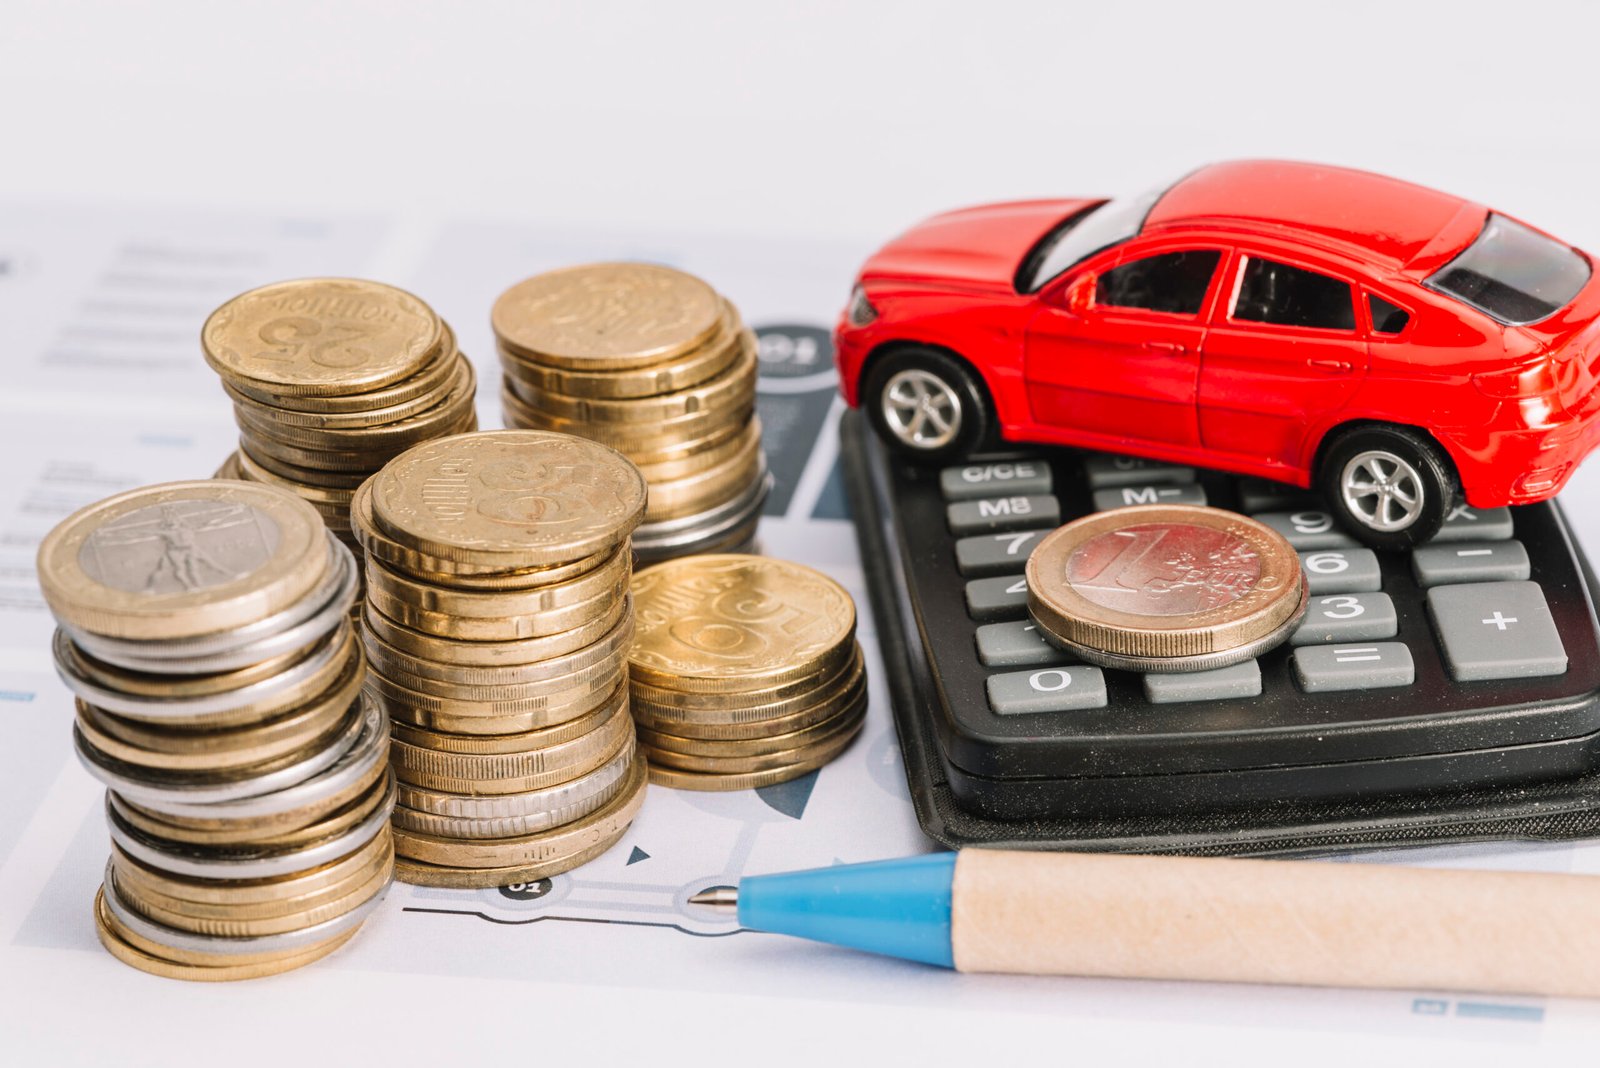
(1470, 561)
(1358, 666)
(1347, 617)
(1259, 495)
(1005, 597)
(1496, 630)
(971, 481)
(1017, 644)
(1106, 471)
(996, 554)
(1057, 689)
(1240, 680)
(1149, 493)
(1308, 528)
(1341, 571)
(994, 514)
(1475, 524)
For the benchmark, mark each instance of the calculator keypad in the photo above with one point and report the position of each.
(1475, 575)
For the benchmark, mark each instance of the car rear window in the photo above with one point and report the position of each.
(1513, 274)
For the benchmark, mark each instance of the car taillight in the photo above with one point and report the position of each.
(1529, 380)
(860, 312)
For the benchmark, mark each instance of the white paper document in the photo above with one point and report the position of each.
(102, 388)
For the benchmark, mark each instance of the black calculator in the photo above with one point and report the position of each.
(1446, 693)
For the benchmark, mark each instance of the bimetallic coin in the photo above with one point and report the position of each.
(181, 559)
(606, 316)
(719, 624)
(509, 498)
(321, 336)
(1165, 588)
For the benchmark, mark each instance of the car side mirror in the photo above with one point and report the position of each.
(1076, 295)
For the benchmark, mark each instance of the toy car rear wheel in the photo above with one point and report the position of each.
(1390, 486)
(927, 405)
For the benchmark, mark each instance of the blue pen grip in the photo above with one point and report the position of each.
(900, 908)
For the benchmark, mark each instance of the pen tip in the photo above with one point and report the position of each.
(717, 897)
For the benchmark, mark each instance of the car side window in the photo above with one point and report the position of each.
(1386, 318)
(1272, 292)
(1174, 282)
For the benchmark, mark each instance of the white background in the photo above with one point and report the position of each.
(840, 121)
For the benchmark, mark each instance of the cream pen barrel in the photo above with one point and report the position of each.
(1253, 921)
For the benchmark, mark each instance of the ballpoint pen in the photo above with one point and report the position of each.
(1265, 921)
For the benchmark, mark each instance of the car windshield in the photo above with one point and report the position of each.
(1513, 274)
(1082, 235)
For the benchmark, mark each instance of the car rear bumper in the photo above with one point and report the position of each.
(1501, 467)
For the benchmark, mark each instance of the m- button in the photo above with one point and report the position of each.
(1496, 630)
(971, 481)
(995, 514)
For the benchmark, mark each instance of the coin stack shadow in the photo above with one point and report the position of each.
(205, 629)
(322, 398)
(497, 625)
(652, 362)
(745, 671)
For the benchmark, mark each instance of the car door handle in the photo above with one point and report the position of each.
(1336, 367)
(1174, 347)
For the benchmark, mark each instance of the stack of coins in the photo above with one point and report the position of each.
(1165, 588)
(331, 378)
(205, 629)
(745, 671)
(652, 362)
(497, 626)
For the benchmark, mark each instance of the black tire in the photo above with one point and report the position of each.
(963, 394)
(1405, 458)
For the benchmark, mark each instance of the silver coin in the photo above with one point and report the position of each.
(155, 789)
(220, 862)
(144, 707)
(530, 804)
(355, 763)
(699, 528)
(545, 809)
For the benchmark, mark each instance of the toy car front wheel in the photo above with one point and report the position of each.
(926, 404)
(1390, 486)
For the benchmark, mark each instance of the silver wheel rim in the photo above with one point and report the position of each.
(921, 409)
(1382, 490)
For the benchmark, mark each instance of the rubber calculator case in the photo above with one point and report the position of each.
(1450, 693)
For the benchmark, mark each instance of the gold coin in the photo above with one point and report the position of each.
(146, 684)
(558, 705)
(317, 823)
(230, 468)
(498, 604)
(508, 498)
(553, 622)
(182, 559)
(119, 942)
(411, 780)
(690, 369)
(585, 678)
(727, 728)
(443, 742)
(256, 891)
(448, 409)
(430, 378)
(138, 894)
(828, 742)
(493, 653)
(460, 419)
(650, 441)
(321, 336)
(721, 624)
(578, 666)
(421, 391)
(744, 780)
(291, 476)
(606, 316)
(733, 388)
(796, 739)
(833, 688)
(1164, 581)
(311, 913)
(706, 490)
(550, 852)
(538, 768)
(713, 455)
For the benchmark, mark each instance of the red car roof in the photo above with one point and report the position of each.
(1382, 220)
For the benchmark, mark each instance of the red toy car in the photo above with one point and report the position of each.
(1391, 345)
